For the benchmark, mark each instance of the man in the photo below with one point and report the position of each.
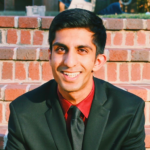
(64, 4)
(70, 4)
(102, 7)
(47, 118)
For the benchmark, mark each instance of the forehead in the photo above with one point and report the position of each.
(74, 35)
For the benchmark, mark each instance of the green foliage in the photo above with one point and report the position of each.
(136, 16)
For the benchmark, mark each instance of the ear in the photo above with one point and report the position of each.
(99, 62)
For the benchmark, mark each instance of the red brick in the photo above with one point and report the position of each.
(6, 53)
(149, 112)
(25, 37)
(6, 21)
(32, 87)
(148, 24)
(146, 71)
(12, 36)
(46, 71)
(129, 41)
(26, 53)
(115, 24)
(44, 54)
(112, 71)
(32, 83)
(148, 38)
(100, 73)
(13, 91)
(34, 71)
(118, 55)
(139, 91)
(20, 71)
(1, 86)
(141, 38)
(124, 72)
(140, 55)
(118, 38)
(147, 139)
(7, 70)
(1, 112)
(135, 72)
(46, 22)
(108, 40)
(3, 129)
(134, 24)
(28, 22)
(146, 86)
(38, 38)
(7, 111)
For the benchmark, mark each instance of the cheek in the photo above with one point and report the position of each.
(55, 60)
(56, 64)
(88, 66)
(89, 62)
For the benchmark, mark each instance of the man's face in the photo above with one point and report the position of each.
(73, 59)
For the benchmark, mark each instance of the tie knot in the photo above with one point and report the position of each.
(75, 112)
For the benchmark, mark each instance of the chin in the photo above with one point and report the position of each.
(70, 88)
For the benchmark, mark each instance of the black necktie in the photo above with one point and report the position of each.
(77, 129)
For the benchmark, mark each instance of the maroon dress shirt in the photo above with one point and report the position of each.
(84, 106)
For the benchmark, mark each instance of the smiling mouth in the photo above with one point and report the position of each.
(71, 75)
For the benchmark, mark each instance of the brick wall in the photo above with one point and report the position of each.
(129, 33)
(23, 68)
(26, 64)
(24, 59)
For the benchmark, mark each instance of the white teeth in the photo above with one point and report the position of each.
(72, 75)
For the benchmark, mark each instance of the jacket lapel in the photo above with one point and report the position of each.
(56, 121)
(97, 119)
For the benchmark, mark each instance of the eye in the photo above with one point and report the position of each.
(82, 51)
(60, 50)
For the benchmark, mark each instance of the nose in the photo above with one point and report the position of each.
(70, 59)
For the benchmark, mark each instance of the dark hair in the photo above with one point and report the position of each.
(79, 18)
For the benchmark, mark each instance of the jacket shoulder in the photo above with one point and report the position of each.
(118, 94)
(38, 95)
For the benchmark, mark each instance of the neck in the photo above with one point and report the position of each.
(76, 97)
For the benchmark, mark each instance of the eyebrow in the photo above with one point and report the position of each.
(63, 45)
(84, 46)
(59, 44)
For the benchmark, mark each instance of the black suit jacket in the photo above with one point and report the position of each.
(116, 120)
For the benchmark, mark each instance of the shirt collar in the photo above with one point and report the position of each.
(84, 106)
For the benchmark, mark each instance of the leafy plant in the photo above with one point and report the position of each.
(136, 16)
